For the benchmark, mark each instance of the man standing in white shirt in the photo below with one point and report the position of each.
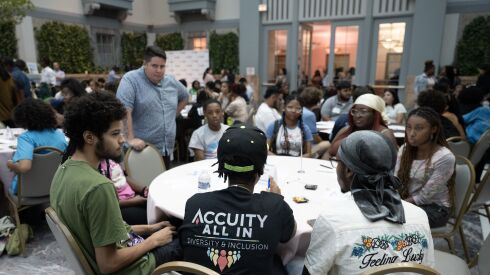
(48, 76)
(59, 74)
(369, 226)
(205, 139)
(267, 114)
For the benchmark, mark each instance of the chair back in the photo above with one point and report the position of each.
(464, 182)
(401, 267)
(68, 245)
(482, 193)
(36, 182)
(483, 256)
(144, 165)
(480, 147)
(459, 146)
(183, 266)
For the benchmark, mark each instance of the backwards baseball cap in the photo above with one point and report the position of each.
(242, 149)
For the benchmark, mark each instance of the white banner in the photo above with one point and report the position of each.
(188, 65)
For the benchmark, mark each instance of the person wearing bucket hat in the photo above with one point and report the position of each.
(367, 113)
(339, 104)
(236, 231)
(381, 228)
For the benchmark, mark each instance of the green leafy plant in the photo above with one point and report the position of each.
(223, 51)
(170, 42)
(8, 42)
(14, 10)
(67, 44)
(133, 47)
(474, 46)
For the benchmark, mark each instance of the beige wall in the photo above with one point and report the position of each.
(70, 6)
(227, 9)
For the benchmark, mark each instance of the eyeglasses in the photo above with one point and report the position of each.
(360, 112)
(294, 110)
(333, 163)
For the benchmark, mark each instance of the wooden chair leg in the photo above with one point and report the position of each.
(15, 213)
(488, 212)
(450, 243)
(463, 242)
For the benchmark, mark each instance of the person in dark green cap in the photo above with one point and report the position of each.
(234, 230)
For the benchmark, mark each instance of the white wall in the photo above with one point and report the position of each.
(141, 13)
(70, 6)
(25, 40)
(449, 39)
(227, 9)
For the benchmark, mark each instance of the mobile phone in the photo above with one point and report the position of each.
(300, 199)
(311, 186)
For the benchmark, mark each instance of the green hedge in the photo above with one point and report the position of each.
(133, 47)
(223, 51)
(170, 42)
(8, 41)
(67, 44)
(474, 47)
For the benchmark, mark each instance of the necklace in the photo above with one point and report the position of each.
(240, 186)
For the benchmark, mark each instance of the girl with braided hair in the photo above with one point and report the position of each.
(425, 165)
(287, 135)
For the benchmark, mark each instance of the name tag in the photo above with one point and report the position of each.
(336, 110)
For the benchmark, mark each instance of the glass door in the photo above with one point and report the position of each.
(342, 55)
(304, 54)
(389, 52)
(276, 54)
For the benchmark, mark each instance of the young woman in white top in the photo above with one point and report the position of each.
(425, 165)
(289, 136)
(394, 109)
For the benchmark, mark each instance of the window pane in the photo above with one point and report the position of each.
(276, 53)
(389, 54)
(345, 50)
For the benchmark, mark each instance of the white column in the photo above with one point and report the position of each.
(150, 38)
(26, 43)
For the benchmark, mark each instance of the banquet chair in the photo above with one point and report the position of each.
(464, 182)
(182, 266)
(145, 165)
(401, 267)
(480, 147)
(459, 146)
(33, 186)
(481, 197)
(447, 263)
(67, 243)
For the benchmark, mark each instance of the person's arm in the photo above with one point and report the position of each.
(20, 166)
(326, 110)
(136, 143)
(336, 142)
(134, 201)
(307, 152)
(321, 253)
(198, 154)
(389, 134)
(443, 169)
(148, 229)
(399, 118)
(111, 259)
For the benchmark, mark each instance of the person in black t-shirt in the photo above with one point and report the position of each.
(236, 231)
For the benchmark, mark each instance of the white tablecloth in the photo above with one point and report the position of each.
(327, 127)
(169, 192)
(7, 150)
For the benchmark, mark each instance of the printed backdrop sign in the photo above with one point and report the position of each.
(188, 65)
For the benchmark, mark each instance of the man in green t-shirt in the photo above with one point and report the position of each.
(86, 200)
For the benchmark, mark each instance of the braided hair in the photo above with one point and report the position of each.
(410, 152)
(286, 146)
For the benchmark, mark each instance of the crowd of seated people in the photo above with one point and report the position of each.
(389, 190)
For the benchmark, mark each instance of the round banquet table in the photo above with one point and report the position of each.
(7, 150)
(169, 192)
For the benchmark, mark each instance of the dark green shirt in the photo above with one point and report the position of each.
(86, 202)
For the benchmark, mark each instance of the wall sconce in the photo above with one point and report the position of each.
(262, 7)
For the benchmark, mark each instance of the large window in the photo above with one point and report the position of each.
(106, 49)
(345, 50)
(389, 53)
(276, 53)
(197, 41)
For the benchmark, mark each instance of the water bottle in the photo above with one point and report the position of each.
(203, 182)
(9, 134)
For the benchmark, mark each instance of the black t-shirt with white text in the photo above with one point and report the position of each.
(232, 231)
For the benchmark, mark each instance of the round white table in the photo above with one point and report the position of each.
(7, 150)
(169, 192)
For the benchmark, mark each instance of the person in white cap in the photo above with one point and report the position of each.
(367, 113)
